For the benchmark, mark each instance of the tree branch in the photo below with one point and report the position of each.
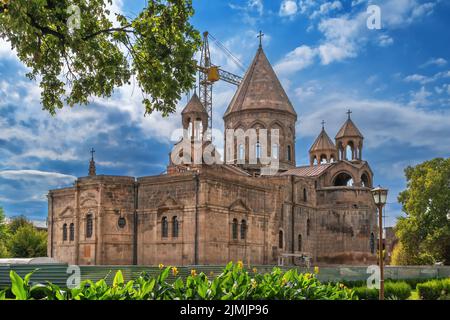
(123, 29)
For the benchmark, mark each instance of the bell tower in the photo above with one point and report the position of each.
(349, 141)
(323, 149)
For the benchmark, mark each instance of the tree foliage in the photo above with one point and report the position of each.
(3, 235)
(20, 239)
(424, 233)
(75, 51)
(28, 242)
(18, 222)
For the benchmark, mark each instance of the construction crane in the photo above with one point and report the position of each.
(210, 73)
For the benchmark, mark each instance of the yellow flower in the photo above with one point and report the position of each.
(254, 283)
(161, 266)
(193, 272)
(240, 264)
(174, 271)
(283, 281)
(211, 274)
(308, 275)
(341, 285)
(255, 270)
(316, 270)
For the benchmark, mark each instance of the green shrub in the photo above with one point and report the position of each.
(400, 290)
(234, 283)
(365, 293)
(438, 289)
(392, 290)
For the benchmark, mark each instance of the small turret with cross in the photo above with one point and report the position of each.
(92, 171)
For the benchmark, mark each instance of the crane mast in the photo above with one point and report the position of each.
(210, 73)
(205, 84)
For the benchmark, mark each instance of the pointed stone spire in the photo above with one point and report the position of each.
(349, 129)
(323, 148)
(260, 89)
(194, 105)
(349, 136)
(92, 171)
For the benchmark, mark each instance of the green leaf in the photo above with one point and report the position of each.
(118, 279)
(18, 287)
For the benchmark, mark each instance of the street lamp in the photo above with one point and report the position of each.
(380, 197)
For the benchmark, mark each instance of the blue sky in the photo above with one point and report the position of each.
(396, 80)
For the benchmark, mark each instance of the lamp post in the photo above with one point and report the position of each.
(380, 196)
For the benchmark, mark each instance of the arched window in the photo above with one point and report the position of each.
(235, 229)
(275, 151)
(65, 232)
(258, 150)
(372, 243)
(349, 151)
(280, 239)
(343, 179)
(308, 227)
(323, 159)
(299, 242)
(175, 227)
(365, 180)
(72, 232)
(305, 196)
(89, 226)
(241, 152)
(289, 153)
(243, 229)
(164, 227)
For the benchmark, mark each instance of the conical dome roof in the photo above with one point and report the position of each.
(349, 129)
(194, 106)
(323, 143)
(260, 89)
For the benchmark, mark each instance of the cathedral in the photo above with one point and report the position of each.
(209, 214)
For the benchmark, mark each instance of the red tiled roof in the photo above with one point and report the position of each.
(307, 171)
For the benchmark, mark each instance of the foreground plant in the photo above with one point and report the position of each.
(234, 283)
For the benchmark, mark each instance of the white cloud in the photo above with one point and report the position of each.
(326, 8)
(385, 40)
(434, 62)
(256, 5)
(427, 79)
(382, 122)
(401, 13)
(249, 10)
(296, 60)
(288, 8)
(346, 35)
(357, 2)
(420, 97)
(417, 78)
(36, 175)
(6, 51)
(310, 89)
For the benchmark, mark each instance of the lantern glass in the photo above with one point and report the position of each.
(380, 195)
